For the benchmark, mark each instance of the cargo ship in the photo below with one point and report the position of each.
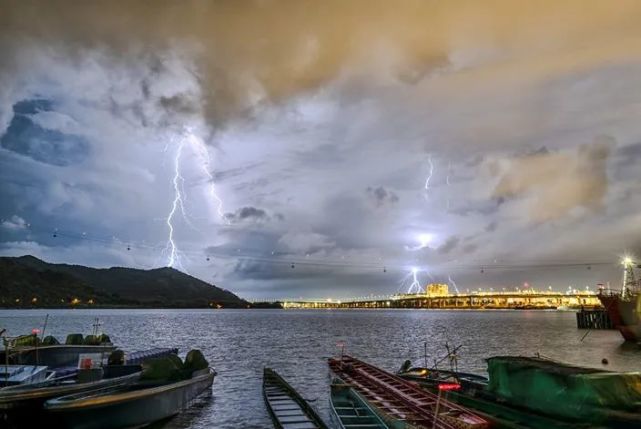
(624, 306)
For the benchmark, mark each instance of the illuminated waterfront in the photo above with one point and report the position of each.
(478, 300)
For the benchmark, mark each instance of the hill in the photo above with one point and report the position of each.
(28, 281)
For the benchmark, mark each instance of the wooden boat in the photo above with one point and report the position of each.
(402, 401)
(286, 407)
(132, 405)
(25, 401)
(351, 410)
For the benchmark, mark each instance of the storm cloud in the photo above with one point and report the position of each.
(272, 133)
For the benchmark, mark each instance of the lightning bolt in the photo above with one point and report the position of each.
(415, 284)
(200, 149)
(173, 258)
(431, 172)
(453, 283)
(447, 182)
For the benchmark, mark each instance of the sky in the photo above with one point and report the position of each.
(286, 149)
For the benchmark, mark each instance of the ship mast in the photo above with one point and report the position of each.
(630, 284)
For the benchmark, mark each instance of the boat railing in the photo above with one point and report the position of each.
(609, 292)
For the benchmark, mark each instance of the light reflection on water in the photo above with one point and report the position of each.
(239, 343)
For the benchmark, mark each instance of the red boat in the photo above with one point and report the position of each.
(402, 401)
(624, 306)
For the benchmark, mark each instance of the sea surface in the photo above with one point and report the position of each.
(239, 343)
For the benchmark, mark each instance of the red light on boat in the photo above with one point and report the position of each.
(35, 331)
(449, 386)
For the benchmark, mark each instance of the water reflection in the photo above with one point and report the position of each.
(240, 343)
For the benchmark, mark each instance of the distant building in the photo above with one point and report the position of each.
(436, 289)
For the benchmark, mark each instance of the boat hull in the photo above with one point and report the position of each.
(350, 410)
(53, 356)
(286, 407)
(129, 409)
(624, 314)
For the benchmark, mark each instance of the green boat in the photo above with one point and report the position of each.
(538, 393)
(351, 410)
(287, 408)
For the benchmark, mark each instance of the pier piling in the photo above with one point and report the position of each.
(593, 319)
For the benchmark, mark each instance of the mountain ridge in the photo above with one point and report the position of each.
(27, 281)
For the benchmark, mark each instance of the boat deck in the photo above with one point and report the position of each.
(141, 356)
(351, 411)
(288, 411)
(402, 399)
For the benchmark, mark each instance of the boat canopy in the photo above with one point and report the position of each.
(560, 389)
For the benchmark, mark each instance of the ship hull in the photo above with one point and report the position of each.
(624, 315)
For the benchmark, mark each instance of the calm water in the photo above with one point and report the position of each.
(239, 343)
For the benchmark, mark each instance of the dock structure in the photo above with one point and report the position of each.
(593, 319)
(518, 300)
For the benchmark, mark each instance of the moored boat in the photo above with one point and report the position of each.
(623, 306)
(538, 393)
(31, 350)
(29, 397)
(471, 392)
(434, 377)
(351, 410)
(287, 408)
(403, 402)
(15, 375)
(164, 389)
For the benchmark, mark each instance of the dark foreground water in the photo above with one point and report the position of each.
(239, 343)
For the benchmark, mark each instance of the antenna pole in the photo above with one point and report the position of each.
(425, 353)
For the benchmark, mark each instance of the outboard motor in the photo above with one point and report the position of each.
(117, 357)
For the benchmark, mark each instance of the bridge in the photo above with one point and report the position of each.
(441, 299)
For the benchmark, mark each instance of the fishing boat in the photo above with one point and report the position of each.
(287, 408)
(401, 401)
(15, 375)
(351, 410)
(434, 377)
(538, 393)
(470, 390)
(566, 392)
(28, 397)
(31, 350)
(623, 306)
(147, 400)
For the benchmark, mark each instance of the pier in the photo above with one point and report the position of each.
(593, 319)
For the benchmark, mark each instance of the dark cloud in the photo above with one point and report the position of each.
(49, 146)
(470, 248)
(382, 196)
(274, 270)
(450, 244)
(299, 116)
(247, 214)
(556, 182)
(629, 155)
(491, 227)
